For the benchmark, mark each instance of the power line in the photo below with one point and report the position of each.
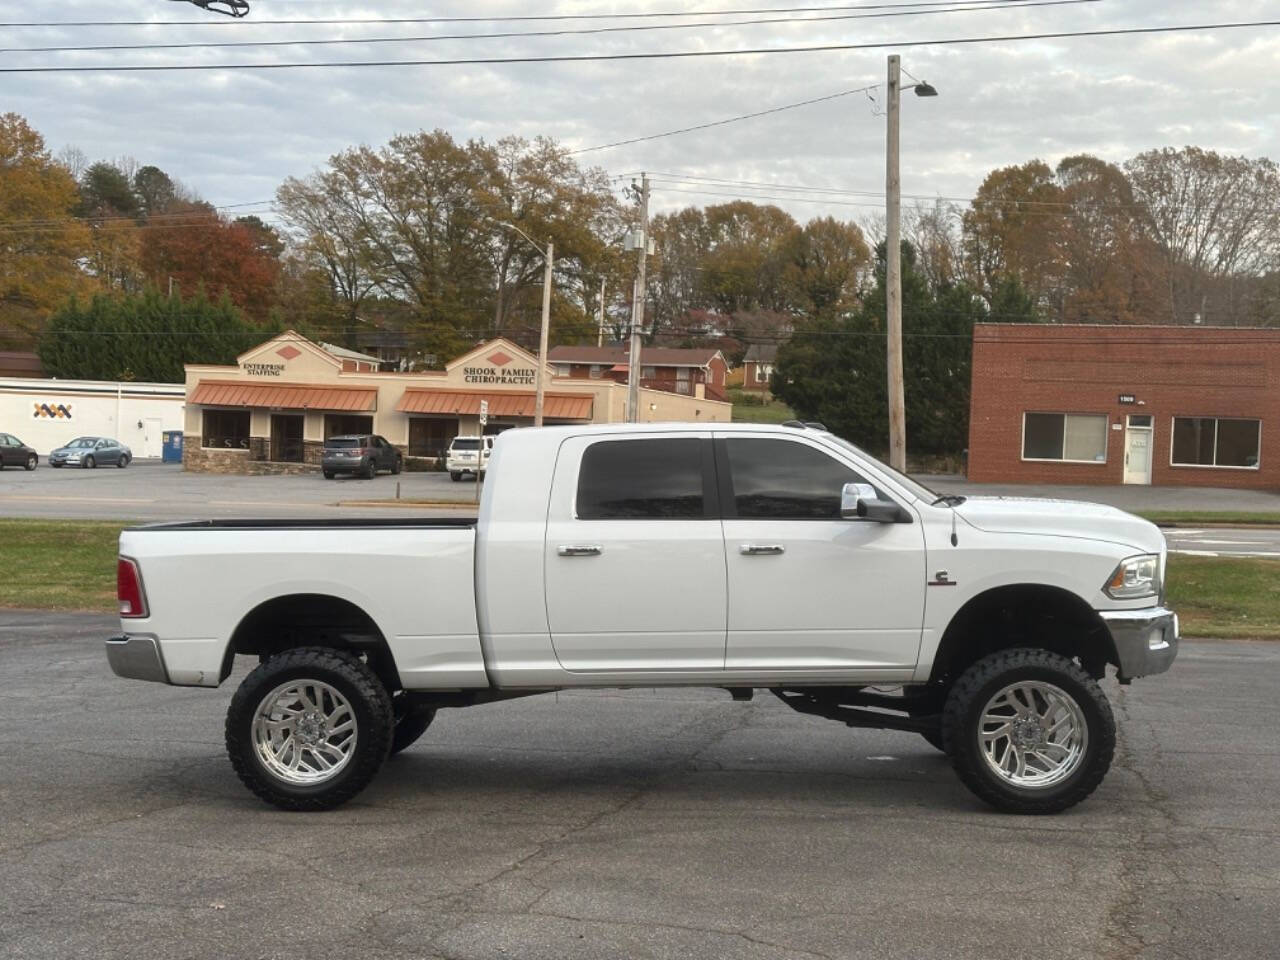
(721, 123)
(1029, 207)
(568, 31)
(656, 55)
(497, 19)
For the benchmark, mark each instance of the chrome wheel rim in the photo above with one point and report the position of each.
(304, 732)
(1033, 735)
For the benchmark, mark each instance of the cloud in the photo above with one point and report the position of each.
(234, 135)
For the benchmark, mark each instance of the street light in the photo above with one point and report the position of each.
(893, 266)
(549, 258)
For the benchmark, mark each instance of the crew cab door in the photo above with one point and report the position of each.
(807, 589)
(634, 555)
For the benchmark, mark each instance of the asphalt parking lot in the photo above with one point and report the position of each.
(149, 490)
(671, 824)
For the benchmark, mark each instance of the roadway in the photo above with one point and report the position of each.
(667, 824)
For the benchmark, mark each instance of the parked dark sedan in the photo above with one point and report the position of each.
(15, 453)
(363, 454)
(91, 452)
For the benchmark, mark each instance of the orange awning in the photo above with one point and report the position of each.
(557, 406)
(284, 396)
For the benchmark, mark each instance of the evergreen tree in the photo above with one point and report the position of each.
(144, 337)
(834, 370)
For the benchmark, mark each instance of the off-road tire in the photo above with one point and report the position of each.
(961, 727)
(31, 462)
(412, 719)
(370, 704)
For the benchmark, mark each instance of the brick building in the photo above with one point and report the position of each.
(1171, 406)
(675, 370)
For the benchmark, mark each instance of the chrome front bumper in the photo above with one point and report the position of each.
(136, 658)
(1146, 640)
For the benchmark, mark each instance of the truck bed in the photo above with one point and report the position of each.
(414, 578)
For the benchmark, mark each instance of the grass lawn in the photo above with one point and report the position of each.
(1226, 596)
(70, 565)
(1210, 516)
(59, 564)
(773, 412)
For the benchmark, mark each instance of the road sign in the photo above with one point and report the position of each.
(484, 412)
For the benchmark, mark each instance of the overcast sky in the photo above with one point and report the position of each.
(234, 135)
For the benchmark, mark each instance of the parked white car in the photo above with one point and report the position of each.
(735, 556)
(468, 455)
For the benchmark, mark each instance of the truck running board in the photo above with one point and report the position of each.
(855, 708)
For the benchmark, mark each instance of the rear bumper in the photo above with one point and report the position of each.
(1146, 641)
(136, 658)
(344, 465)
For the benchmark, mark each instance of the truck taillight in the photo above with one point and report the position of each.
(133, 601)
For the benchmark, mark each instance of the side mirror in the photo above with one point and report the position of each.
(858, 501)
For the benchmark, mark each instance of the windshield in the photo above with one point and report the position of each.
(82, 442)
(919, 490)
(343, 443)
(466, 443)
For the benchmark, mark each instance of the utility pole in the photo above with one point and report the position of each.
(893, 275)
(600, 331)
(637, 308)
(540, 390)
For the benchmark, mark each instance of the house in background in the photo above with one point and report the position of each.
(757, 366)
(671, 369)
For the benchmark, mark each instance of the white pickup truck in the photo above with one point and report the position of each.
(732, 556)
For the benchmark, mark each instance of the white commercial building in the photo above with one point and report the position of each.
(45, 414)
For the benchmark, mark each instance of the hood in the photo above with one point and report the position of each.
(1062, 518)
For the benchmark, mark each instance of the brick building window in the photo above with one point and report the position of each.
(1216, 442)
(225, 429)
(1070, 437)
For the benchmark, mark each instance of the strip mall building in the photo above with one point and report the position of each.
(1173, 406)
(271, 412)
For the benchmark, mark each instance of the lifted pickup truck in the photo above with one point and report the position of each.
(732, 556)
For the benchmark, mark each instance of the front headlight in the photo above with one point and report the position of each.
(1135, 578)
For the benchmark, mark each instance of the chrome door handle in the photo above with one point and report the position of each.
(579, 549)
(761, 549)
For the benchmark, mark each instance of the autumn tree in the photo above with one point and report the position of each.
(1215, 220)
(198, 248)
(1013, 229)
(421, 220)
(40, 242)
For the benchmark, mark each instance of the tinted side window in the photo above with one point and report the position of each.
(784, 480)
(642, 479)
